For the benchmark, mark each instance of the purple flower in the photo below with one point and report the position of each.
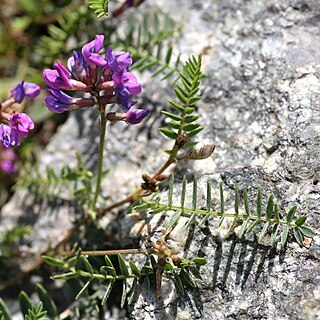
(78, 65)
(125, 82)
(59, 101)
(131, 83)
(123, 58)
(111, 60)
(18, 92)
(8, 160)
(90, 52)
(124, 99)
(58, 78)
(19, 126)
(117, 60)
(22, 123)
(31, 89)
(128, 81)
(9, 136)
(55, 105)
(23, 89)
(136, 116)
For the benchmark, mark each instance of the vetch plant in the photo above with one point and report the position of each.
(108, 80)
(102, 78)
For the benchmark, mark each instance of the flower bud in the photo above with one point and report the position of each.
(136, 116)
(58, 102)
(202, 153)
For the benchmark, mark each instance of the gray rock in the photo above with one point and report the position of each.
(260, 108)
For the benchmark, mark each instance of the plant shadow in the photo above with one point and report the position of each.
(241, 262)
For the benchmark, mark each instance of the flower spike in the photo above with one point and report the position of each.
(106, 78)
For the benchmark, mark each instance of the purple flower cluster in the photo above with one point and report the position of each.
(19, 125)
(14, 126)
(106, 77)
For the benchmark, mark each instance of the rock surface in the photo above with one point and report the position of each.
(260, 107)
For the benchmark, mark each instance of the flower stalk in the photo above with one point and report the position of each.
(103, 125)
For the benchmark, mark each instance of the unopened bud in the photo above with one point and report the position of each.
(202, 153)
(146, 178)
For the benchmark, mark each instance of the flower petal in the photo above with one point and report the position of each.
(55, 105)
(18, 92)
(31, 89)
(90, 52)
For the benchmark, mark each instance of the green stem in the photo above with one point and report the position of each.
(103, 124)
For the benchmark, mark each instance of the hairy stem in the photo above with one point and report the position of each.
(103, 124)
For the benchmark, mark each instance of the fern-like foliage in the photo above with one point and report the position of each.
(53, 45)
(80, 267)
(182, 121)
(100, 7)
(185, 274)
(279, 226)
(148, 41)
(46, 309)
(78, 179)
